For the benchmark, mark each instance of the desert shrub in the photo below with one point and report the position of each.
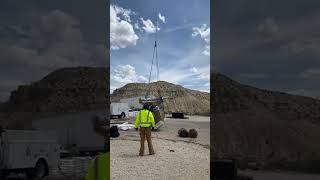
(193, 133)
(182, 132)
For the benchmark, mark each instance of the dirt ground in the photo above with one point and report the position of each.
(175, 158)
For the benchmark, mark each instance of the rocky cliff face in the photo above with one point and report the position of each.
(64, 90)
(179, 98)
(266, 125)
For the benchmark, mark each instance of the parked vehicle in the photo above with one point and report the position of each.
(133, 112)
(30, 152)
(120, 110)
(75, 129)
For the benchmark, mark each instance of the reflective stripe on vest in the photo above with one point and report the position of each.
(145, 123)
(95, 168)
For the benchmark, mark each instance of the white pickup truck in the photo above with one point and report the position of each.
(30, 152)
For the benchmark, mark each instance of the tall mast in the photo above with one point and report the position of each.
(154, 57)
(155, 43)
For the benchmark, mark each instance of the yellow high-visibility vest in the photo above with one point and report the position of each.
(144, 119)
(99, 169)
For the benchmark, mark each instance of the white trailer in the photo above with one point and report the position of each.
(121, 110)
(133, 113)
(30, 152)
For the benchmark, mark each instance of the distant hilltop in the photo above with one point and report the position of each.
(180, 99)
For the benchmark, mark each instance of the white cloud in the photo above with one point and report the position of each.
(204, 76)
(206, 50)
(148, 26)
(136, 25)
(193, 70)
(204, 33)
(186, 75)
(122, 33)
(124, 74)
(179, 27)
(162, 18)
(175, 75)
(125, 13)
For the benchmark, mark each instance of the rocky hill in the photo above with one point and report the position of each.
(270, 127)
(180, 99)
(68, 89)
(64, 90)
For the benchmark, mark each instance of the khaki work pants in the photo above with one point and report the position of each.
(145, 132)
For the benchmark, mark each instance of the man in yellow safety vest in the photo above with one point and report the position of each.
(145, 121)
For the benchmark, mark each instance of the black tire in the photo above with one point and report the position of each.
(123, 115)
(40, 170)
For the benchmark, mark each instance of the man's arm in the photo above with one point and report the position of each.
(136, 124)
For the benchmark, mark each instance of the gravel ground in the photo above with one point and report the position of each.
(188, 161)
(170, 131)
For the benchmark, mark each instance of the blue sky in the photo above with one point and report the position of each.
(183, 41)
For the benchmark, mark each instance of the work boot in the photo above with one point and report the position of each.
(152, 153)
(141, 153)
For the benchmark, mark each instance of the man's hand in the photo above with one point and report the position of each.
(136, 129)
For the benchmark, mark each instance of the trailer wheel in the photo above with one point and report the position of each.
(40, 170)
(123, 115)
